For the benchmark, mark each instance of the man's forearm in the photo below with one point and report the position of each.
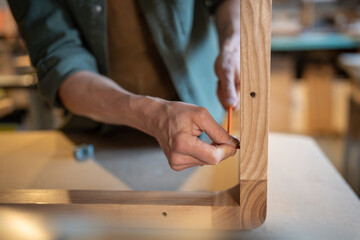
(175, 125)
(227, 18)
(97, 97)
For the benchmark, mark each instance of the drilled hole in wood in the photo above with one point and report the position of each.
(164, 214)
(253, 94)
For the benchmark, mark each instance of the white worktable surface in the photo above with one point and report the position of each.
(305, 192)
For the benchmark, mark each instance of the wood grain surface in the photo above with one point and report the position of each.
(254, 110)
(255, 80)
(144, 209)
(318, 78)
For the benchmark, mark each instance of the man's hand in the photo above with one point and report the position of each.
(227, 65)
(177, 126)
(227, 69)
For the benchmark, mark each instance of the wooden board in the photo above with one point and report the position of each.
(281, 96)
(254, 110)
(242, 206)
(319, 79)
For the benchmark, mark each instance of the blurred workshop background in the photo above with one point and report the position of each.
(315, 79)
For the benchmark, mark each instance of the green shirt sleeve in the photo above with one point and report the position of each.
(54, 44)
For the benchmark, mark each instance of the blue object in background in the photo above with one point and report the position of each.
(84, 152)
(314, 41)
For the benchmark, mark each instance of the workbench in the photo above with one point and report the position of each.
(305, 192)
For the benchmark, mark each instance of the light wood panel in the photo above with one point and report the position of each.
(128, 208)
(281, 96)
(319, 79)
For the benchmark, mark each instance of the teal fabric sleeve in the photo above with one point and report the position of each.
(54, 44)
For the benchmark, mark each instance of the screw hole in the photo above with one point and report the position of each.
(164, 214)
(253, 94)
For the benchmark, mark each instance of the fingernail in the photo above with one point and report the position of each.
(236, 142)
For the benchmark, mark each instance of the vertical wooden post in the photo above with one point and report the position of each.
(254, 109)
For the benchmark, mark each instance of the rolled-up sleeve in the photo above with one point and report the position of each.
(54, 44)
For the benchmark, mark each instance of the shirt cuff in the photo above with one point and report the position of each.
(55, 69)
